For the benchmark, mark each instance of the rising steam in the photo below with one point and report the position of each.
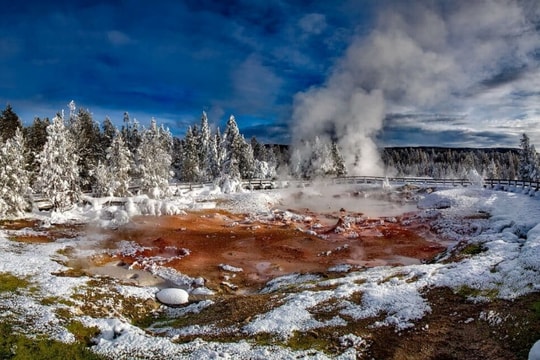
(421, 57)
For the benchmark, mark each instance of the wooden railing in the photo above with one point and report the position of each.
(257, 184)
(262, 184)
(493, 183)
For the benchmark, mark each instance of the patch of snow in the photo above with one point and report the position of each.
(230, 268)
(341, 268)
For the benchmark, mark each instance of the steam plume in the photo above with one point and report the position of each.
(431, 57)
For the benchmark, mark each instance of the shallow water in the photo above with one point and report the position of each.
(333, 199)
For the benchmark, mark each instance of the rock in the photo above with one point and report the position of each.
(172, 296)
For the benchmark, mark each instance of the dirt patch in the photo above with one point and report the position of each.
(34, 232)
(460, 329)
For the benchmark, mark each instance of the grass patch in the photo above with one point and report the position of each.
(15, 346)
(469, 292)
(230, 311)
(535, 307)
(472, 249)
(309, 340)
(11, 283)
(71, 272)
(83, 334)
(99, 298)
(54, 300)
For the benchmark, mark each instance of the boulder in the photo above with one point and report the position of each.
(172, 296)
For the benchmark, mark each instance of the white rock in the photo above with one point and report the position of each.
(534, 353)
(172, 296)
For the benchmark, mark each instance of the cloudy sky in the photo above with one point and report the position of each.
(449, 73)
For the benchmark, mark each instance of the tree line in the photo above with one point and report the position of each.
(443, 163)
(71, 154)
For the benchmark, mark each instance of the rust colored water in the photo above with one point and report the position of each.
(199, 242)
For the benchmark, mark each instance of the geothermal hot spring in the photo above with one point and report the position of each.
(307, 230)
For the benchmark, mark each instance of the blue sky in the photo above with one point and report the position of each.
(456, 73)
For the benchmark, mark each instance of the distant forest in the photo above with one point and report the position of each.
(441, 162)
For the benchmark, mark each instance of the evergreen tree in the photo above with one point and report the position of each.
(246, 160)
(528, 160)
(259, 151)
(14, 178)
(232, 146)
(204, 149)
(36, 137)
(212, 161)
(339, 168)
(9, 123)
(238, 159)
(131, 133)
(108, 133)
(58, 177)
(113, 176)
(190, 163)
(88, 145)
(154, 161)
(321, 162)
(177, 158)
(492, 172)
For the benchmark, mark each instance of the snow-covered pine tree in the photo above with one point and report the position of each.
(58, 177)
(14, 178)
(232, 147)
(190, 156)
(321, 162)
(103, 183)
(131, 133)
(9, 123)
(339, 168)
(213, 161)
(259, 151)
(113, 176)
(35, 136)
(265, 160)
(246, 161)
(204, 149)
(177, 158)
(238, 161)
(528, 160)
(154, 162)
(108, 133)
(86, 131)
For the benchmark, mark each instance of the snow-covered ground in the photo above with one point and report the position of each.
(503, 226)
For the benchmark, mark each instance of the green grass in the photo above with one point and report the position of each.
(83, 334)
(11, 283)
(535, 307)
(473, 249)
(14, 346)
(469, 292)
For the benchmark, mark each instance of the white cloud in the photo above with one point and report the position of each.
(312, 23)
(255, 84)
